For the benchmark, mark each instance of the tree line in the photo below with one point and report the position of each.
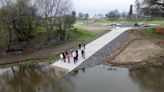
(20, 18)
(83, 16)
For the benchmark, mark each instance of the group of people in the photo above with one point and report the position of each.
(74, 54)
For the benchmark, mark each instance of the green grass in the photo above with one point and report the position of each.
(159, 22)
(77, 25)
(151, 32)
(80, 34)
(152, 21)
(107, 21)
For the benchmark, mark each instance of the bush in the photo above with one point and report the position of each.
(151, 32)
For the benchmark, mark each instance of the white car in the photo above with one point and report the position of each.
(141, 23)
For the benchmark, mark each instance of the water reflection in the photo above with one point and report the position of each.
(149, 79)
(100, 78)
(33, 79)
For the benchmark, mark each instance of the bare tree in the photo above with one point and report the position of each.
(48, 9)
(51, 10)
(65, 19)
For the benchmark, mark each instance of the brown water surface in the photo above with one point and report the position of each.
(95, 79)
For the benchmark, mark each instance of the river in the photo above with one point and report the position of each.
(100, 78)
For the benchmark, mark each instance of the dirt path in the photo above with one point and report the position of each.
(138, 51)
(49, 52)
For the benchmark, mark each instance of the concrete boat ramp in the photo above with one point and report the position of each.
(91, 48)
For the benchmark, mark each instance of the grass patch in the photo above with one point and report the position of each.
(151, 32)
(105, 20)
(81, 34)
(79, 26)
(129, 21)
(159, 22)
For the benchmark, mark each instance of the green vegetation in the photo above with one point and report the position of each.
(159, 22)
(39, 30)
(23, 29)
(105, 20)
(80, 34)
(76, 35)
(3, 37)
(146, 21)
(152, 32)
(48, 60)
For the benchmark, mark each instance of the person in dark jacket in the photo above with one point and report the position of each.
(77, 55)
(64, 56)
(83, 53)
(79, 46)
(84, 45)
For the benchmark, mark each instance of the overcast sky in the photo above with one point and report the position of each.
(101, 6)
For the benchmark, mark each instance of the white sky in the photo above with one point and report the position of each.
(101, 6)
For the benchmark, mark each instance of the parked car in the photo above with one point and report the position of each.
(139, 24)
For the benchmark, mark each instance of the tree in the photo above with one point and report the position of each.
(159, 3)
(100, 16)
(138, 6)
(54, 12)
(63, 25)
(130, 15)
(5, 22)
(19, 19)
(73, 17)
(131, 10)
(113, 15)
(124, 14)
(80, 15)
(151, 5)
(24, 20)
(86, 16)
(48, 9)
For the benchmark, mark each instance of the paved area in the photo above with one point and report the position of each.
(91, 49)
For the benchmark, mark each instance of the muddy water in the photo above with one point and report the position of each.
(95, 79)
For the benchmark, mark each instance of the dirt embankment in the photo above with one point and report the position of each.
(139, 50)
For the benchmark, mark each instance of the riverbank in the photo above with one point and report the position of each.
(85, 35)
(140, 49)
